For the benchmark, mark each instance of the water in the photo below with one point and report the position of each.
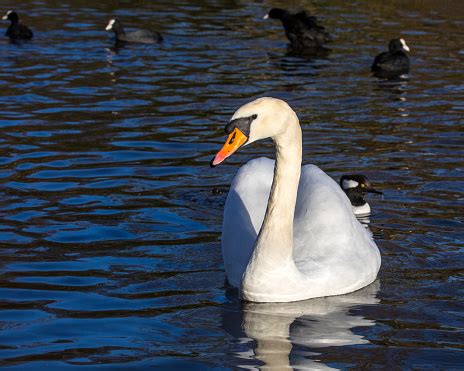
(111, 216)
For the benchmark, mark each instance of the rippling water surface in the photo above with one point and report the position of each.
(111, 217)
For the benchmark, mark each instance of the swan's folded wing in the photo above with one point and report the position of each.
(326, 232)
(330, 245)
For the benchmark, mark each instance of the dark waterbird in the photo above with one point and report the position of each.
(393, 63)
(139, 36)
(17, 30)
(305, 35)
(356, 186)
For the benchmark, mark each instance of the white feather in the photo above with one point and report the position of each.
(348, 183)
(110, 25)
(405, 47)
(363, 210)
(7, 14)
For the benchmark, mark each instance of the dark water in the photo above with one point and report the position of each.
(111, 217)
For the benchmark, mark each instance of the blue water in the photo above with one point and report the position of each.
(111, 217)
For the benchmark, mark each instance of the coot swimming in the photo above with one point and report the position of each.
(139, 36)
(302, 30)
(393, 63)
(17, 30)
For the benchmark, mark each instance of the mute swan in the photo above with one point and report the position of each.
(309, 242)
(355, 187)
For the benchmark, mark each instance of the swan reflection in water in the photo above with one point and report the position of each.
(310, 324)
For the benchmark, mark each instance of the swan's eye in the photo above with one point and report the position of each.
(242, 123)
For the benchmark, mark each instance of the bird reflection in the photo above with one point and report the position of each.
(396, 87)
(310, 324)
(396, 90)
(308, 54)
(365, 220)
(117, 46)
(305, 64)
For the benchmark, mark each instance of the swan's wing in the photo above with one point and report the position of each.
(328, 240)
(244, 214)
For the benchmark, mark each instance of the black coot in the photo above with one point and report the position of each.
(393, 63)
(302, 30)
(139, 36)
(17, 31)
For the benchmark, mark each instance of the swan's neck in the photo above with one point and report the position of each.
(275, 239)
(271, 273)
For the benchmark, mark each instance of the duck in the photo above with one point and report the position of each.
(139, 36)
(302, 30)
(393, 63)
(17, 30)
(356, 186)
(288, 232)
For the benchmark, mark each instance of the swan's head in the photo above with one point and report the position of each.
(262, 118)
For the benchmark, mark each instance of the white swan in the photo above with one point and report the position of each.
(309, 242)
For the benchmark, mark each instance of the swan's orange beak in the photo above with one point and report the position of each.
(234, 141)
